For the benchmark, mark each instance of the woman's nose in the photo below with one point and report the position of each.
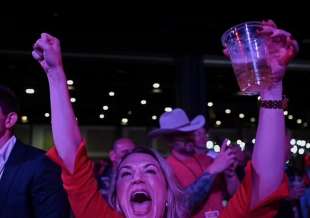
(138, 177)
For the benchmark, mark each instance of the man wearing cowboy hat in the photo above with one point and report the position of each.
(189, 167)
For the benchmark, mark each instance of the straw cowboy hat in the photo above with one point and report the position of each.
(177, 121)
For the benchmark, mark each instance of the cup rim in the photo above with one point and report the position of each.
(249, 23)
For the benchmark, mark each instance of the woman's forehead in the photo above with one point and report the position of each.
(139, 158)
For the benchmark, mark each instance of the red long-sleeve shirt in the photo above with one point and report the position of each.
(87, 202)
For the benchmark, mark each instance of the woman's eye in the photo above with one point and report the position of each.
(124, 174)
(151, 171)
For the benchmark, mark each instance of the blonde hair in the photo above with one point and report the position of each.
(175, 207)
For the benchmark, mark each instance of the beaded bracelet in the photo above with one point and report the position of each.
(274, 104)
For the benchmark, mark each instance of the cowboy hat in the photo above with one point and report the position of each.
(177, 121)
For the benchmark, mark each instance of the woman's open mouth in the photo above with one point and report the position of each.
(141, 202)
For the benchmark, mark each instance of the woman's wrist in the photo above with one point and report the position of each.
(56, 75)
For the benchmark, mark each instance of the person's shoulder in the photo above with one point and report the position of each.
(30, 151)
(34, 154)
(170, 159)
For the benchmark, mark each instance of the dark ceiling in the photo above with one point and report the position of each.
(126, 51)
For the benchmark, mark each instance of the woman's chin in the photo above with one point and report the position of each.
(144, 210)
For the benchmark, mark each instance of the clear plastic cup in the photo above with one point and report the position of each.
(248, 53)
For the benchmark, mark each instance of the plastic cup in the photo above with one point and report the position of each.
(248, 53)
